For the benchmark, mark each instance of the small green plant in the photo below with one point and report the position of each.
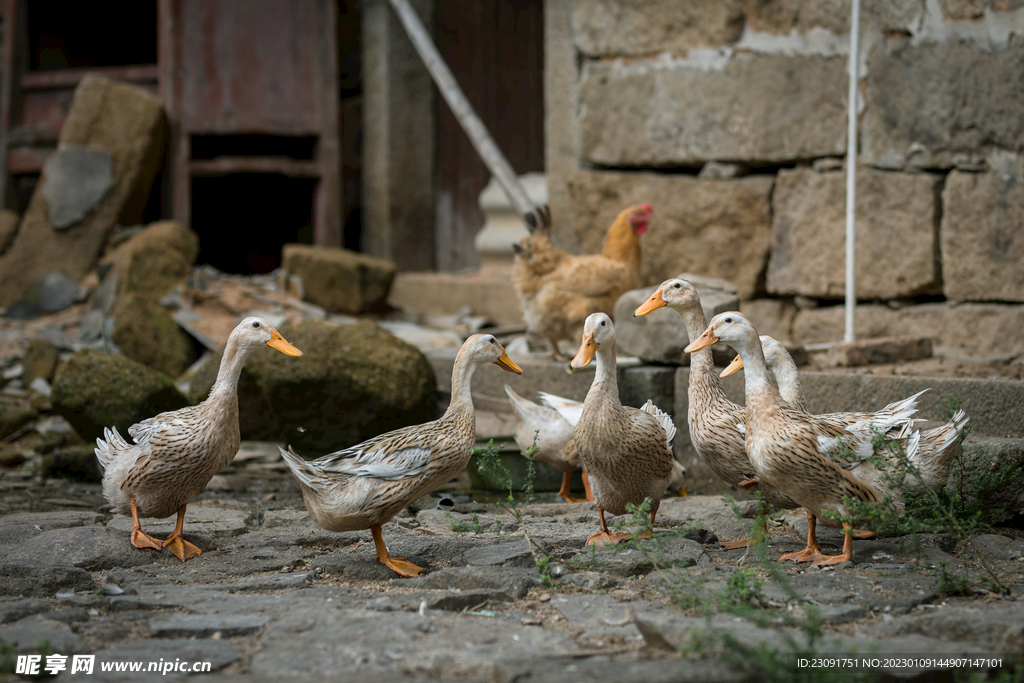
(461, 526)
(743, 590)
(7, 657)
(952, 584)
(489, 462)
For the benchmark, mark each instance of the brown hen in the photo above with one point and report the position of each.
(558, 290)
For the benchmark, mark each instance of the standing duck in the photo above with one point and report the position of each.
(626, 451)
(176, 453)
(716, 423)
(935, 448)
(365, 486)
(789, 450)
(553, 434)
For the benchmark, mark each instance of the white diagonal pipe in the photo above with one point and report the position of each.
(851, 173)
(463, 110)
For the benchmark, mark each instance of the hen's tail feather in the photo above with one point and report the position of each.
(304, 471)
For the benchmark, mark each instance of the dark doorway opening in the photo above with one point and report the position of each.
(66, 34)
(244, 219)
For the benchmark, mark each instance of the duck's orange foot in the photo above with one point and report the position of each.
(607, 538)
(748, 483)
(142, 540)
(736, 545)
(805, 555)
(402, 567)
(569, 499)
(181, 548)
(828, 561)
(864, 534)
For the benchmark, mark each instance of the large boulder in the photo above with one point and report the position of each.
(660, 337)
(93, 390)
(338, 279)
(146, 267)
(108, 119)
(354, 382)
(988, 482)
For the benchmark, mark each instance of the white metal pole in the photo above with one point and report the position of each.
(851, 173)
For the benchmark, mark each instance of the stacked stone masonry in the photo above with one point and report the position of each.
(730, 119)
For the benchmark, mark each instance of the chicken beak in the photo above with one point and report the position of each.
(654, 303)
(281, 344)
(703, 341)
(733, 367)
(506, 363)
(586, 353)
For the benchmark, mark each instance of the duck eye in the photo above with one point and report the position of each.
(256, 324)
(675, 286)
(728, 320)
(602, 323)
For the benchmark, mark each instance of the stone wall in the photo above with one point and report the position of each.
(729, 117)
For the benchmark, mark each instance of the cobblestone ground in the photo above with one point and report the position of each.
(272, 596)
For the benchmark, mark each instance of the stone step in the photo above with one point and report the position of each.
(489, 294)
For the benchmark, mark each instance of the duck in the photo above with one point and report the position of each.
(791, 451)
(717, 428)
(934, 450)
(717, 425)
(366, 485)
(626, 451)
(553, 434)
(176, 453)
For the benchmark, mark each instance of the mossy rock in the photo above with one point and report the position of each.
(15, 413)
(354, 382)
(145, 332)
(93, 390)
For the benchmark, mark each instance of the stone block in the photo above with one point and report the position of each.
(613, 27)
(896, 241)
(773, 317)
(981, 237)
(714, 228)
(960, 10)
(991, 480)
(489, 295)
(867, 351)
(674, 112)
(953, 328)
(965, 101)
(129, 124)
(338, 279)
(661, 336)
(784, 17)
(995, 407)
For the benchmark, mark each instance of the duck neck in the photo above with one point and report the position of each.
(703, 378)
(758, 389)
(788, 379)
(606, 380)
(462, 398)
(230, 369)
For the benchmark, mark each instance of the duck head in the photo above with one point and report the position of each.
(598, 329)
(255, 331)
(675, 293)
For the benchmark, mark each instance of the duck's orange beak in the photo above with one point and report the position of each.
(506, 363)
(703, 341)
(586, 353)
(654, 303)
(281, 344)
(733, 367)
